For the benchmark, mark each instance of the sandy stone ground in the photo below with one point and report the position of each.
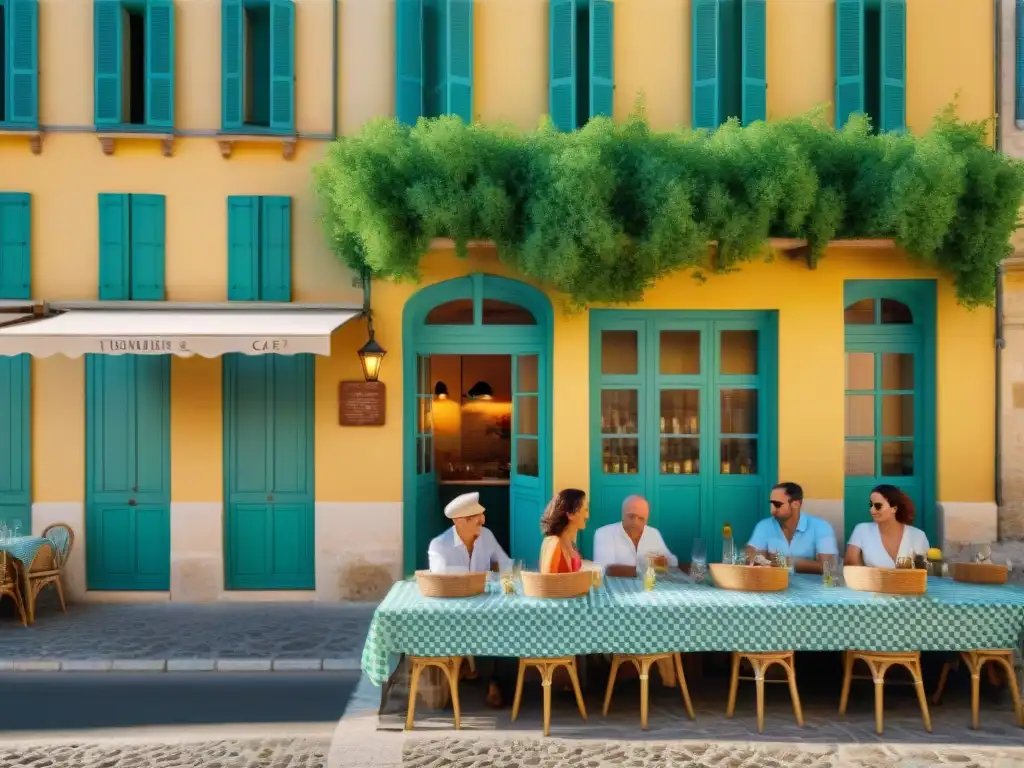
(259, 753)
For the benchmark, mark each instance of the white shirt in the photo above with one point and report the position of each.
(867, 538)
(612, 546)
(448, 554)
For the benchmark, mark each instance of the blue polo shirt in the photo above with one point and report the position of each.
(813, 537)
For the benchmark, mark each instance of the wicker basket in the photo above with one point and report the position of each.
(980, 573)
(558, 585)
(749, 578)
(889, 581)
(451, 584)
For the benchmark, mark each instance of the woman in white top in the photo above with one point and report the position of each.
(890, 536)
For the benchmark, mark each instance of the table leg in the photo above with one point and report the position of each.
(26, 597)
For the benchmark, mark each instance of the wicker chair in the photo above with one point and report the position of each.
(9, 584)
(49, 564)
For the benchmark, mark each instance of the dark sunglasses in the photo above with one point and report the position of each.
(776, 504)
(876, 504)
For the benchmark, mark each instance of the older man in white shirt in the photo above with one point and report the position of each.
(626, 545)
(467, 545)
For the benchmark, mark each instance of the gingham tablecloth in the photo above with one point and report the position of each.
(24, 548)
(677, 616)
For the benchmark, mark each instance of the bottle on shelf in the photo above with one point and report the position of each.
(728, 548)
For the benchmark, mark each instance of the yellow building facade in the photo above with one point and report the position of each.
(361, 529)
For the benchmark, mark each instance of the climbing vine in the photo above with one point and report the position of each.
(601, 213)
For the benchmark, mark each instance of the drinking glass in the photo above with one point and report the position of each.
(698, 560)
(507, 583)
(983, 553)
(5, 536)
(828, 570)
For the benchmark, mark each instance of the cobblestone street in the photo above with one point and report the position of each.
(256, 753)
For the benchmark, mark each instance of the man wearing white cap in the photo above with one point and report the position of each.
(468, 546)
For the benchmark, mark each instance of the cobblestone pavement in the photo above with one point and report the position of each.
(257, 753)
(181, 631)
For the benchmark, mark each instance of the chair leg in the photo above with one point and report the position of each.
(414, 682)
(546, 672)
(681, 677)
(616, 662)
(645, 690)
(734, 683)
(518, 698)
(452, 674)
(575, 679)
(948, 667)
(794, 693)
(759, 686)
(974, 668)
(1007, 663)
(915, 670)
(60, 595)
(878, 675)
(844, 698)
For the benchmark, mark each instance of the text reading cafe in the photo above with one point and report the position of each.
(885, 600)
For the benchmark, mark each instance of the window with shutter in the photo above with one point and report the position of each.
(871, 40)
(258, 65)
(19, 64)
(134, 63)
(1019, 57)
(259, 248)
(15, 245)
(581, 66)
(132, 230)
(729, 62)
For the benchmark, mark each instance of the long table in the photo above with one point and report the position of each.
(621, 617)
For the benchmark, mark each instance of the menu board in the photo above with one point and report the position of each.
(361, 403)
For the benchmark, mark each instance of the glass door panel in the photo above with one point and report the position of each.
(526, 503)
(429, 519)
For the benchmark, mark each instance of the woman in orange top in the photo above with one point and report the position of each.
(565, 516)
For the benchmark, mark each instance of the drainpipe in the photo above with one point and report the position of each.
(334, 68)
(998, 69)
(1000, 344)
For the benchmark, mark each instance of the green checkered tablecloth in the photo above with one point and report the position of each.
(24, 548)
(677, 616)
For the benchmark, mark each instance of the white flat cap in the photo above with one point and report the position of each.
(466, 505)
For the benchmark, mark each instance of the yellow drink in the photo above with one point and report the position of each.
(649, 579)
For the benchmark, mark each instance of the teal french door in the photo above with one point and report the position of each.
(889, 396)
(430, 522)
(683, 412)
(527, 495)
(268, 473)
(128, 488)
(15, 442)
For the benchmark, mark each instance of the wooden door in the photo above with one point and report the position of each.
(15, 443)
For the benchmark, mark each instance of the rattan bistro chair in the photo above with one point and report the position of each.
(63, 540)
(9, 584)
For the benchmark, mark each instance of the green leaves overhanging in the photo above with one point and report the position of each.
(600, 214)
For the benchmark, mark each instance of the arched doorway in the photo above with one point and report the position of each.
(481, 322)
(890, 405)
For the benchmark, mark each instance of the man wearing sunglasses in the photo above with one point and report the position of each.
(805, 538)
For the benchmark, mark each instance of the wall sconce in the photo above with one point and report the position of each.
(481, 391)
(371, 355)
(441, 391)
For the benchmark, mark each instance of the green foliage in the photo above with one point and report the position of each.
(600, 214)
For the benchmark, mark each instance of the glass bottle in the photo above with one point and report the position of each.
(728, 548)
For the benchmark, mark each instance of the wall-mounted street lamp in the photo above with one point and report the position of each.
(441, 391)
(371, 355)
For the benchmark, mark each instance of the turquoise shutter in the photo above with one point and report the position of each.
(409, 60)
(15, 245)
(705, 64)
(160, 63)
(459, 17)
(602, 57)
(849, 60)
(755, 63)
(1019, 41)
(282, 65)
(562, 64)
(107, 55)
(275, 272)
(243, 248)
(23, 62)
(147, 257)
(894, 66)
(114, 248)
(232, 50)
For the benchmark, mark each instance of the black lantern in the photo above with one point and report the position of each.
(481, 391)
(441, 391)
(371, 356)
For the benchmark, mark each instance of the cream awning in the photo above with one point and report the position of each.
(184, 333)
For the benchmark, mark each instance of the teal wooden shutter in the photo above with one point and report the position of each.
(562, 64)
(147, 237)
(894, 66)
(232, 51)
(15, 245)
(243, 248)
(459, 39)
(107, 55)
(23, 60)
(160, 63)
(114, 248)
(282, 65)
(849, 60)
(755, 62)
(602, 57)
(1019, 40)
(409, 60)
(705, 64)
(275, 260)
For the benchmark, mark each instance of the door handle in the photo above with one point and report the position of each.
(270, 497)
(131, 502)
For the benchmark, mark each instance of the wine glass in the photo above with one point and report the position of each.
(698, 560)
